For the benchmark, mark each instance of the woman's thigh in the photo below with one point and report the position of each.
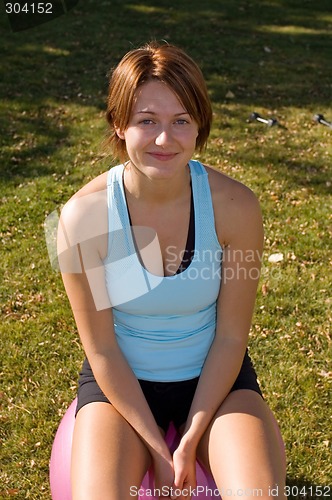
(243, 448)
(109, 459)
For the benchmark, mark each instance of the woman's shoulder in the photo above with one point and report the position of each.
(91, 193)
(236, 206)
(96, 185)
(226, 188)
(84, 216)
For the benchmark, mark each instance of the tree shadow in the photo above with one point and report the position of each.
(269, 54)
(300, 489)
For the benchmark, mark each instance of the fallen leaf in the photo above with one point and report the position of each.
(276, 257)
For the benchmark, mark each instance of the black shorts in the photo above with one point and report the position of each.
(168, 401)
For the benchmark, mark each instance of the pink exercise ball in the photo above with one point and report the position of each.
(61, 457)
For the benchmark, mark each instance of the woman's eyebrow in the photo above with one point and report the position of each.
(146, 111)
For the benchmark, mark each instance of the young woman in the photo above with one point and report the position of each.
(160, 259)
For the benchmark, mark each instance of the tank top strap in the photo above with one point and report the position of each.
(118, 220)
(204, 214)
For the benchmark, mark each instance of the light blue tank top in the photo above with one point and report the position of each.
(164, 325)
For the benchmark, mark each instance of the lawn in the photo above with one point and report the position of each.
(272, 57)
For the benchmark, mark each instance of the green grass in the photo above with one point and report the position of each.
(274, 57)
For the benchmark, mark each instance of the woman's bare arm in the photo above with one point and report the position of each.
(240, 232)
(82, 245)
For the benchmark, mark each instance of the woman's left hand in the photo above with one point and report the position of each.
(184, 464)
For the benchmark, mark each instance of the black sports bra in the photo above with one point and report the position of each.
(190, 244)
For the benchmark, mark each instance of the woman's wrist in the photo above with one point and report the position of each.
(159, 450)
(188, 444)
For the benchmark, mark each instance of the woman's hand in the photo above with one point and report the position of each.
(184, 464)
(163, 475)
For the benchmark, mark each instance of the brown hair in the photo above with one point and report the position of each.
(165, 63)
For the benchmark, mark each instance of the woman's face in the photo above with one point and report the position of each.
(160, 136)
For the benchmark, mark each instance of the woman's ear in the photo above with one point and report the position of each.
(119, 133)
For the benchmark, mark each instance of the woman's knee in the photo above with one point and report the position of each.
(108, 457)
(243, 447)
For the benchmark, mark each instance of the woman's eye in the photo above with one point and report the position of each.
(181, 122)
(146, 122)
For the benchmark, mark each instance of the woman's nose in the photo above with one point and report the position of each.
(163, 137)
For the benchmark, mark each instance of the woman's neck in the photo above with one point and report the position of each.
(156, 191)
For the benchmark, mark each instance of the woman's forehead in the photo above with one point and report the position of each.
(155, 96)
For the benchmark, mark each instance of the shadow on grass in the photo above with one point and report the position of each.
(300, 489)
(269, 54)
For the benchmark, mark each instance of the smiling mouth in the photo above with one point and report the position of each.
(162, 156)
